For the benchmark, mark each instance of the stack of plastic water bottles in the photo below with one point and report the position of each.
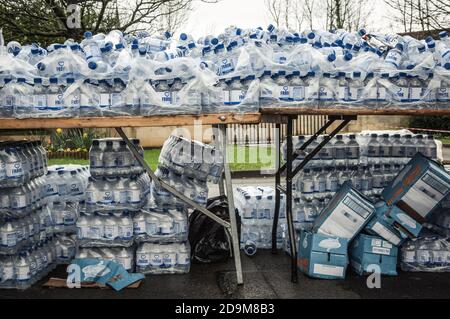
(118, 74)
(256, 207)
(65, 188)
(65, 192)
(431, 251)
(428, 253)
(27, 248)
(116, 191)
(162, 228)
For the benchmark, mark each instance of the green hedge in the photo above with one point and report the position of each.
(431, 122)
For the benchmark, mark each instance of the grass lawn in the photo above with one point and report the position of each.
(241, 158)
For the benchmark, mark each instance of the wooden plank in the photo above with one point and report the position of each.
(356, 111)
(136, 121)
(62, 283)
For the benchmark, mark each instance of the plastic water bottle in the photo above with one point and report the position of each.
(431, 148)
(307, 184)
(125, 227)
(367, 181)
(385, 148)
(373, 149)
(423, 254)
(339, 151)
(410, 147)
(283, 93)
(352, 150)
(8, 233)
(90, 46)
(183, 257)
(395, 56)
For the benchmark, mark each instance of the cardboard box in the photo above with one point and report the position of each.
(404, 222)
(382, 225)
(366, 251)
(345, 215)
(322, 256)
(417, 190)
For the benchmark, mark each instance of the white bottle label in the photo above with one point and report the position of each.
(297, 93)
(325, 94)
(227, 66)
(226, 97)
(156, 259)
(354, 94)
(95, 232)
(394, 57)
(9, 239)
(307, 187)
(266, 93)
(237, 96)
(133, 196)
(117, 100)
(402, 94)
(106, 198)
(55, 102)
(443, 94)
(165, 98)
(14, 170)
(23, 273)
(126, 232)
(169, 259)
(311, 93)
(18, 201)
(415, 94)
(40, 102)
(105, 100)
(120, 197)
(87, 101)
(111, 232)
(91, 198)
(341, 93)
(183, 258)
(142, 259)
(283, 93)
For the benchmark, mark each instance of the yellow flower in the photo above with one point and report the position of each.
(59, 131)
(78, 149)
(85, 135)
(68, 149)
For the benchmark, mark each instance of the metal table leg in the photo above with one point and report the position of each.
(289, 220)
(232, 211)
(276, 216)
(290, 174)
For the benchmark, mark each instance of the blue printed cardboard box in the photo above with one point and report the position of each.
(369, 254)
(345, 215)
(382, 225)
(322, 256)
(416, 191)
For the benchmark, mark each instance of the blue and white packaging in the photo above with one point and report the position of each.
(322, 256)
(416, 192)
(345, 215)
(404, 222)
(368, 251)
(382, 225)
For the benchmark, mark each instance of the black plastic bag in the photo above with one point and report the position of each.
(210, 242)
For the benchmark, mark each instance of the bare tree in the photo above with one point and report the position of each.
(275, 9)
(420, 15)
(172, 18)
(348, 14)
(345, 14)
(48, 20)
